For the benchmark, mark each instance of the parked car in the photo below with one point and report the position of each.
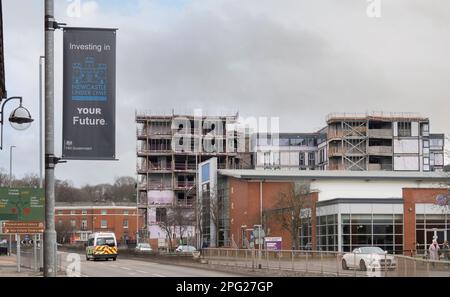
(143, 248)
(185, 249)
(372, 258)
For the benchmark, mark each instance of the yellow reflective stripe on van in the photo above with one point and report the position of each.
(105, 250)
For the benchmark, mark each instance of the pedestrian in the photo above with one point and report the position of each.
(446, 251)
(434, 252)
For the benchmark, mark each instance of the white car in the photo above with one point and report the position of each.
(185, 249)
(368, 258)
(143, 248)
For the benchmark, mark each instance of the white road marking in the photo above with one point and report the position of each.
(158, 275)
(140, 271)
(126, 268)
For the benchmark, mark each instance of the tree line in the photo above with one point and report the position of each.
(123, 189)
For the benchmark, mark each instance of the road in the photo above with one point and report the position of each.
(139, 268)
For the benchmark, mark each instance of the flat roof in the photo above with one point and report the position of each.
(260, 174)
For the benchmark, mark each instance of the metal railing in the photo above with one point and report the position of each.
(328, 263)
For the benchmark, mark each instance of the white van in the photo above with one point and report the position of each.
(101, 246)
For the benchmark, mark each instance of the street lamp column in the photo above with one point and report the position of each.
(50, 160)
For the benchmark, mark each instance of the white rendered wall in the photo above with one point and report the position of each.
(332, 189)
(406, 146)
(406, 163)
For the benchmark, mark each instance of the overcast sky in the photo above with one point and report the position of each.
(295, 59)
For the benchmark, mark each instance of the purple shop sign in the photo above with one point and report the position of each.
(273, 243)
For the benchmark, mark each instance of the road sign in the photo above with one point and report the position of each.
(23, 227)
(25, 205)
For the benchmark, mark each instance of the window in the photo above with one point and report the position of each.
(84, 225)
(104, 212)
(59, 222)
(381, 230)
(125, 224)
(73, 223)
(311, 159)
(404, 129)
(426, 144)
(104, 224)
(84, 212)
(72, 212)
(301, 159)
(161, 214)
(125, 212)
(284, 141)
(60, 212)
(266, 159)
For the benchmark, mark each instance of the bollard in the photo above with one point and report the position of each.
(354, 263)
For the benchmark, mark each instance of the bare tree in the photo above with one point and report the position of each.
(64, 231)
(177, 222)
(290, 210)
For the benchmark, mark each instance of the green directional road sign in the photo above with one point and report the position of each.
(22, 205)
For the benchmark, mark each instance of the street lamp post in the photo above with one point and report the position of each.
(10, 164)
(50, 160)
(20, 118)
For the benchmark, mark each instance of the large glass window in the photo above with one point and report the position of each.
(426, 227)
(384, 231)
(327, 233)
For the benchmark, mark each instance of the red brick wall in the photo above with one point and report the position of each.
(411, 196)
(114, 218)
(245, 208)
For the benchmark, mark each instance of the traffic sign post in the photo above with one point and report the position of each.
(23, 228)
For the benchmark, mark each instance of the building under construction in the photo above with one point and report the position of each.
(169, 149)
(358, 142)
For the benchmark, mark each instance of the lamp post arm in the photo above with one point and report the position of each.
(3, 115)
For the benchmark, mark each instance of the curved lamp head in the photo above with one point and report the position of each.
(20, 118)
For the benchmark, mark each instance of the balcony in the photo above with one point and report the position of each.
(154, 151)
(336, 167)
(381, 133)
(380, 167)
(184, 167)
(185, 185)
(380, 150)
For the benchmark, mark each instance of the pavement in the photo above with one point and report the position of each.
(138, 268)
(8, 268)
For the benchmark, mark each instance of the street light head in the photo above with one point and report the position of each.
(20, 118)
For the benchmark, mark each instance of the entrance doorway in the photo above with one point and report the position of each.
(439, 234)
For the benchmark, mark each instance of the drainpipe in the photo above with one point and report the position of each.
(260, 202)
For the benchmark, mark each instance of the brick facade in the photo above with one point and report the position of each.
(412, 196)
(120, 220)
(245, 209)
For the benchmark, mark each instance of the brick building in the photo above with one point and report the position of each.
(397, 211)
(75, 221)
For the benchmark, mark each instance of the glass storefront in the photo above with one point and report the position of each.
(429, 226)
(327, 233)
(381, 230)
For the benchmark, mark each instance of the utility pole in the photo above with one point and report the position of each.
(50, 233)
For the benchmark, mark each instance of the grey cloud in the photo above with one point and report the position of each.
(298, 60)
